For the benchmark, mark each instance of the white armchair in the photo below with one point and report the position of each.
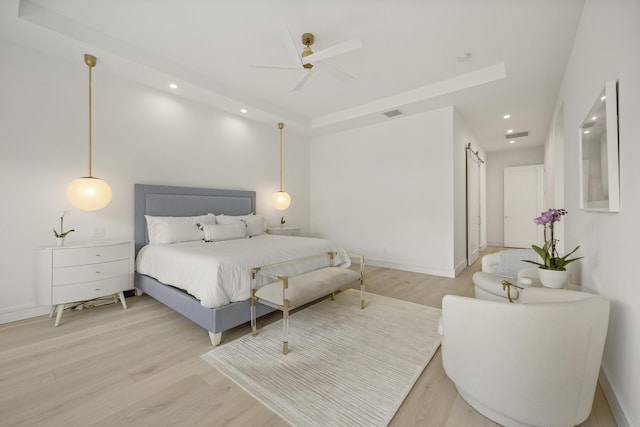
(534, 363)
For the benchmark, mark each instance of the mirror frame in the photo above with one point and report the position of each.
(605, 126)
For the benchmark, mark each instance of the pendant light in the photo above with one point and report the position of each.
(281, 199)
(89, 193)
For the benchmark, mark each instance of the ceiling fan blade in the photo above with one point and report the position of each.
(338, 49)
(279, 67)
(290, 45)
(303, 80)
(339, 74)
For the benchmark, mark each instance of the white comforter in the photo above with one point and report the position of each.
(218, 273)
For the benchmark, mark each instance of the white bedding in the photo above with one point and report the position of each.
(218, 273)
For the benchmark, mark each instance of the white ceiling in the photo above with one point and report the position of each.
(519, 50)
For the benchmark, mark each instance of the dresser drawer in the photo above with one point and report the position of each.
(90, 255)
(89, 273)
(88, 291)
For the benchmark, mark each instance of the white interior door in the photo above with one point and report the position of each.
(523, 201)
(473, 208)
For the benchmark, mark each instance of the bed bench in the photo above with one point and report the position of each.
(288, 292)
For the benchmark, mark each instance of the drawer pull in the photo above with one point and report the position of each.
(98, 272)
(97, 254)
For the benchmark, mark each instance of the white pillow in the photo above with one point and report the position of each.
(234, 219)
(511, 262)
(231, 219)
(171, 229)
(217, 232)
(255, 225)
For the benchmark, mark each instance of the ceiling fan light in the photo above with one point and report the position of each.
(89, 193)
(307, 51)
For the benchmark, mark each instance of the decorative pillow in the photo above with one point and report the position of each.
(218, 232)
(172, 229)
(255, 225)
(231, 219)
(234, 219)
(511, 261)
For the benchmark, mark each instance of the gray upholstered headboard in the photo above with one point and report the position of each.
(160, 200)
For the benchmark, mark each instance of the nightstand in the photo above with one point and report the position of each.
(284, 230)
(85, 271)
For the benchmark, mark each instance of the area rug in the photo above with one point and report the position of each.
(346, 366)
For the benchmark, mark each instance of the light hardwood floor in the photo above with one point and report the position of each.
(141, 367)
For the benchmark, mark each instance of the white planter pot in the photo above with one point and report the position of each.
(59, 241)
(553, 278)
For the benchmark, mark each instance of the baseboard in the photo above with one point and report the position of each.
(461, 266)
(618, 408)
(498, 244)
(412, 268)
(13, 314)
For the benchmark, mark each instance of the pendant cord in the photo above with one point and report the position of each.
(281, 126)
(90, 123)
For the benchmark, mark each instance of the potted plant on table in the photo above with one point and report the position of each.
(552, 270)
(62, 234)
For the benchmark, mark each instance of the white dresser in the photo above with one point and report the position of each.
(84, 271)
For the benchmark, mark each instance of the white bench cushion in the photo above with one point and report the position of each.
(309, 286)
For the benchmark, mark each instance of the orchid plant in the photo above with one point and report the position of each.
(62, 233)
(551, 260)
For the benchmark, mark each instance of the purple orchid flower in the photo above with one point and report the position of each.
(548, 253)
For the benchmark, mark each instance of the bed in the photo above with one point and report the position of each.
(170, 201)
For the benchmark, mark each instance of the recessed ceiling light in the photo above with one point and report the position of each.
(173, 86)
(243, 110)
(506, 116)
(512, 142)
(603, 98)
(587, 131)
(594, 117)
(509, 130)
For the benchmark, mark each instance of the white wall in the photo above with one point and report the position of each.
(140, 136)
(387, 190)
(496, 162)
(606, 47)
(554, 158)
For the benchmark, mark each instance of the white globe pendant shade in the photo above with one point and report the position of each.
(281, 200)
(89, 193)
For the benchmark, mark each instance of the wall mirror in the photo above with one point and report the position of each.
(600, 186)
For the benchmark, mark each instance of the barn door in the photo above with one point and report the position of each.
(473, 207)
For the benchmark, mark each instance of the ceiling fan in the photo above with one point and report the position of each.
(310, 61)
